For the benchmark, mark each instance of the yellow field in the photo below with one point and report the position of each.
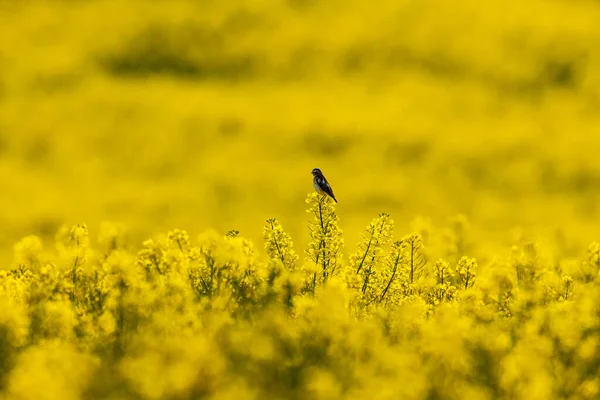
(475, 126)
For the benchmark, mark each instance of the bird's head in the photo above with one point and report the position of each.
(316, 172)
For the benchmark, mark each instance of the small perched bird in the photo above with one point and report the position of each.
(321, 185)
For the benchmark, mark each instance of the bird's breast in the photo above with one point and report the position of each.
(317, 186)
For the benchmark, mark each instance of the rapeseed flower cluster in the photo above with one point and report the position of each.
(324, 251)
(213, 317)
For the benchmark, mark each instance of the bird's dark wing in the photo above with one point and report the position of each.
(330, 192)
(326, 187)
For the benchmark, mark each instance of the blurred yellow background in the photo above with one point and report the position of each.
(211, 114)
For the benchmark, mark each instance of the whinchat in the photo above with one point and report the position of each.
(321, 185)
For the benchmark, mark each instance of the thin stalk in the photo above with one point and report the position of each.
(396, 262)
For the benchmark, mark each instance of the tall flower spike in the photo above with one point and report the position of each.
(392, 277)
(444, 289)
(378, 234)
(466, 271)
(365, 260)
(326, 240)
(442, 272)
(279, 245)
(590, 269)
(415, 258)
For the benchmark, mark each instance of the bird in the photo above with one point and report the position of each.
(321, 185)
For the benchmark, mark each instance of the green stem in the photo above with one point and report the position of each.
(396, 262)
